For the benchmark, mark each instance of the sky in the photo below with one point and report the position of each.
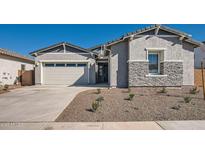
(27, 38)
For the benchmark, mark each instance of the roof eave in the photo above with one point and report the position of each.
(34, 53)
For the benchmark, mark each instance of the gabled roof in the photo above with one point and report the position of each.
(59, 44)
(187, 37)
(15, 55)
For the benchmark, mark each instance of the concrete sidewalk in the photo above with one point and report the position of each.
(148, 125)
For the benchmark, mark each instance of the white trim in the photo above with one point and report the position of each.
(81, 53)
(171, 61)
(137, 61)
(54, 61)
(162, 36)
(155, 49)
(155, 75)
(64, 48)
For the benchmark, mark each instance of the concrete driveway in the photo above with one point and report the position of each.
(36, 103)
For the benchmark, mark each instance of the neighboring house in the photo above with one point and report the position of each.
(199, 55)
(10, 65)
(153, 56)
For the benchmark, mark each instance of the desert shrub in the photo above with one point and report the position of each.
(194, 90)
(98, 91)
(130, 97)
(6, 87)
(100, 99)
(177, 107)
(187, 99)
(163, 90)
(95, 105)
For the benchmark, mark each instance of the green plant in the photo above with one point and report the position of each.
(100, 99)
(194, 90)
(163, 90)
(176, 107)
(187, 99)
(95, 105)
(6, 87)
(98, 91)
(130, 97)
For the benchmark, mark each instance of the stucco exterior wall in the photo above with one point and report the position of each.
(188, 64)
(172, 45)
(9, 67)
(64, 56)
(175, 51)
(118, 64)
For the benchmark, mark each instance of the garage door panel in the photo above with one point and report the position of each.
(65, 75)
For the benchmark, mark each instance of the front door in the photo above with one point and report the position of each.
(102, 73)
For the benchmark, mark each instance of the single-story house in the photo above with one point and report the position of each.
(10, 65)
(154, 56)
(199, 55)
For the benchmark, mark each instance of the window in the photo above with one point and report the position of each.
(81, 65)
(71, 65)
(49, 65)
(153, 63)
(23, 67)
(60, 65)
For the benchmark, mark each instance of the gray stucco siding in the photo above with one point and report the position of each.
(175, 51)
(64, 56)
(172, 46)
(119, 66)
(188, 64)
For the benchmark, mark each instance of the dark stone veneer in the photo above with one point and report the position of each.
(172, 74)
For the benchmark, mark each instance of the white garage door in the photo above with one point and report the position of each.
(65, 73)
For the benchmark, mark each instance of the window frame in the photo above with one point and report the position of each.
(71, 65)
(158, 63)
(60, 64)
(85, 65)
(49, 64)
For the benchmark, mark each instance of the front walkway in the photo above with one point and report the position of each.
(148, 125)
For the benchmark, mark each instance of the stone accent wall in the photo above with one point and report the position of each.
(172, 74)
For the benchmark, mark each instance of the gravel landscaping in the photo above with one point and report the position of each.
(148, 104)
(6, 88)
